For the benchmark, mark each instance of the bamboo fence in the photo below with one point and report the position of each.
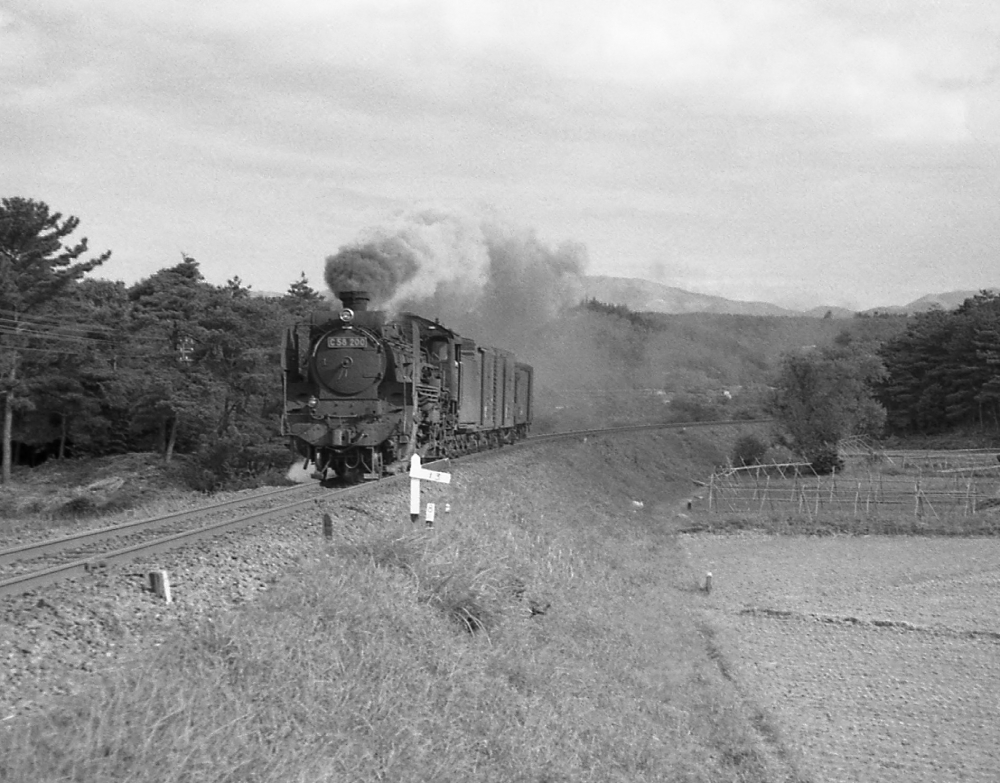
(936, 486)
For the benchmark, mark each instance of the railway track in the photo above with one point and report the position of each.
(677, 425)
(28, 566)
(33, 565)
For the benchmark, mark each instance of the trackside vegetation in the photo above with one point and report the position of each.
(547, 629)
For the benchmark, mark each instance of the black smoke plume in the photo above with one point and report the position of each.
(378, 267)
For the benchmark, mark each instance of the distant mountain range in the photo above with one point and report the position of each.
(647, 296)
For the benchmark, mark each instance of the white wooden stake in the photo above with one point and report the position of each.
(414, 488)
(429, 516)
(414, 499)
(159, 583)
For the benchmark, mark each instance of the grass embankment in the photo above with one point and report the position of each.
(545, 630)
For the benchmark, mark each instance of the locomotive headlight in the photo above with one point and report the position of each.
(313, 402)
(347, 315)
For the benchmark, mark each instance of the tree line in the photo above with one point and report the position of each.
(171, 363)
(939, 374)
(175, 364)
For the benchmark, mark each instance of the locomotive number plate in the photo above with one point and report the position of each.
(346, 342)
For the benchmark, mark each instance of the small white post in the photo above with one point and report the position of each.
(414, 499)
(429, 516)
(414, 488)
(708, 582)
(159, 583)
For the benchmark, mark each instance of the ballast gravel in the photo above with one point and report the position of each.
(54, 639)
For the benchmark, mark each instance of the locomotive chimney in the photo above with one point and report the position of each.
(355, 300)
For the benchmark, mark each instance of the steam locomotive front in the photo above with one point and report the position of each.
(340, 411)
(349, 359)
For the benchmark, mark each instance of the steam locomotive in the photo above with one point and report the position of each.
(364, 390)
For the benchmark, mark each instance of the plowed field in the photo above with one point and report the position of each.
(878, 656)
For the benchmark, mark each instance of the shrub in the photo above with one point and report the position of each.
(748, 450)
(826, 460)
(79, 506)
(122, 500)
(235, 461)
(779, 454)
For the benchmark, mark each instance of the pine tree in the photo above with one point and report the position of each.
(944, 370)
(36, 269)
(174, 391)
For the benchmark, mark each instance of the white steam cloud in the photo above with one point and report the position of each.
(488, 281)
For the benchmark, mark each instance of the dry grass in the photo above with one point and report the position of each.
(547, 633)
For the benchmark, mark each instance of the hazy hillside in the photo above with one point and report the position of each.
(605, 365)
(650, 297)
(946, 301)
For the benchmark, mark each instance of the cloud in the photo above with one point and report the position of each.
(696, 131)
(900, 73)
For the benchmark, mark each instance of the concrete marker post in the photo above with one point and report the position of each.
(327, 527)
(429, 516)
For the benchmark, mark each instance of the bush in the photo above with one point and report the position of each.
(826, 460)
(122, 500)
(748, 450)
(235, 461)
(79, 506)
(8, 505)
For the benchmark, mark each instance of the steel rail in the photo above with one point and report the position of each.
(22, 583)
(25, 582)
(53, 545)
(673, 425)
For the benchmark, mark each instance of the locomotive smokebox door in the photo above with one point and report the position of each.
(347, 362)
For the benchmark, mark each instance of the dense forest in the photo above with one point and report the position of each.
(177, 365)
(943, 372)
(171, 364)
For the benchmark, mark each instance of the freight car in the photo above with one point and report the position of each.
(364, 390)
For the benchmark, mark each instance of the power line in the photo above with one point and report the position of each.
(119, 356)
(12, 317)
(55, 336)
(79, 333)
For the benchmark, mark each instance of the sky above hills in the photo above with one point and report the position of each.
(801, 152)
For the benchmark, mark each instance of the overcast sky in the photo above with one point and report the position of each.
(802, 152)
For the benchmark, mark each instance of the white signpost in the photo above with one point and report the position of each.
(416, 474)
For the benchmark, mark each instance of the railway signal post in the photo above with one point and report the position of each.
(417, 472)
